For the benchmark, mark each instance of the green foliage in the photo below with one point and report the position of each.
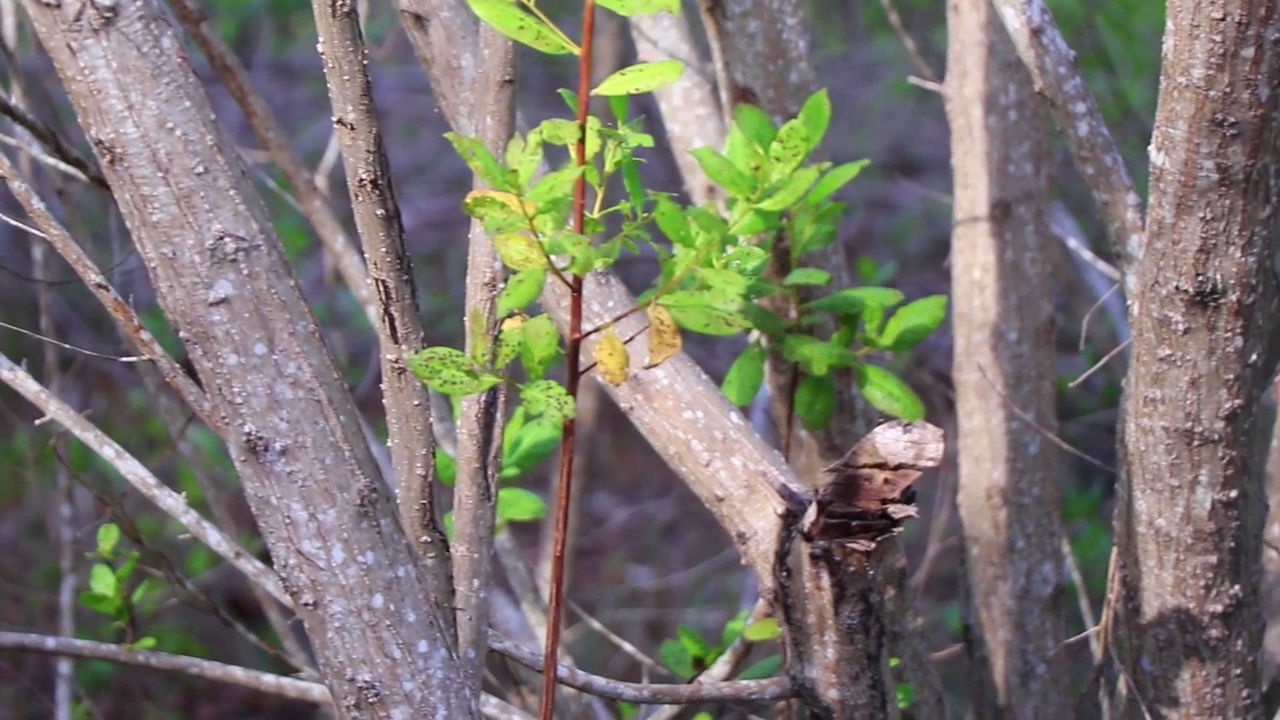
(110, 580)
(713, 264)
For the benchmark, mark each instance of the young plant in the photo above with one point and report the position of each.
(109, 580)
(713, 262)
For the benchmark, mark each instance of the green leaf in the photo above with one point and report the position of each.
(520, 505)
(694, 642)
(806, 276)
(519, 251)
(766, 668)
(507, 18)
(753, 222)
(108, 538)
(671, 221)
(791, 191)
(640, 78)
(888, 393)
(762, 630)
(524, 156)
(555, 185)
(816, 400)
(480, 160)
(913, 322)
(676, 657)
(521, 289)
(631, 8)
(127, 567)
(755, 124)
(724, 173)
(99, 603)
(788, 150)
(852, 301)
(530, 445)
(906, 695)
(815, 115)
(733, 629)
(446, 467)
(145, 642)
(510, 340)
(143, 589)
(747, 259)
(450, 371)
(548, 397)
(815, 356)
(745, 375)
(835, 179)
(541, 345)
(103, 581)
(709, 312)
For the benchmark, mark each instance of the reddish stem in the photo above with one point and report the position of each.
(573, 365)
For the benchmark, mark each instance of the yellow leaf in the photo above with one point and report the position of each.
(664, 336)
(528, 208)
(612, 358)
(513, 322)
(519, 251)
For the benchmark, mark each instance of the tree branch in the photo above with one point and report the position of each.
(739, 691)
(482, 416)
(1056, 77)
(269, 683)
(173, 504)
(373, 201)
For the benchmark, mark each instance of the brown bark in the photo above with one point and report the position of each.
(1203, 308)
(1001, 287)
(292, 430)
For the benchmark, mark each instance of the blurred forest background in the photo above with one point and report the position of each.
(647, 557)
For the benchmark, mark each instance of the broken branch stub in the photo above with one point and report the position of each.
(871, 492)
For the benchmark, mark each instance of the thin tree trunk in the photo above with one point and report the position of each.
(1001, 288)
(1203, 308)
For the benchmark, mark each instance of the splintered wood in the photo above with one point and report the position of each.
(871, 491)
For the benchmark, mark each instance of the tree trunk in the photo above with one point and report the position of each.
(1203, 308)
(1008, 493)
(292, 431)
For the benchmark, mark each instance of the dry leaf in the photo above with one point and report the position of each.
(612, 358)
(664, 335)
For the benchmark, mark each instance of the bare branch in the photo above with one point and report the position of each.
(1057, 78)
(130, 326)
(269, 683)
(167, 500)
(373, 199)
(480, 424)
(739, 691)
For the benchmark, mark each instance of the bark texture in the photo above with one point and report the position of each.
(291, 428)
(1008, 493)
(1190, 516)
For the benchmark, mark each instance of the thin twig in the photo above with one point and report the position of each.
(270, 683)
(172, 503)
(1098, 365)
(74, 348)
(1051, 437)
(738, 691)
(126, 320)
(908, 42)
